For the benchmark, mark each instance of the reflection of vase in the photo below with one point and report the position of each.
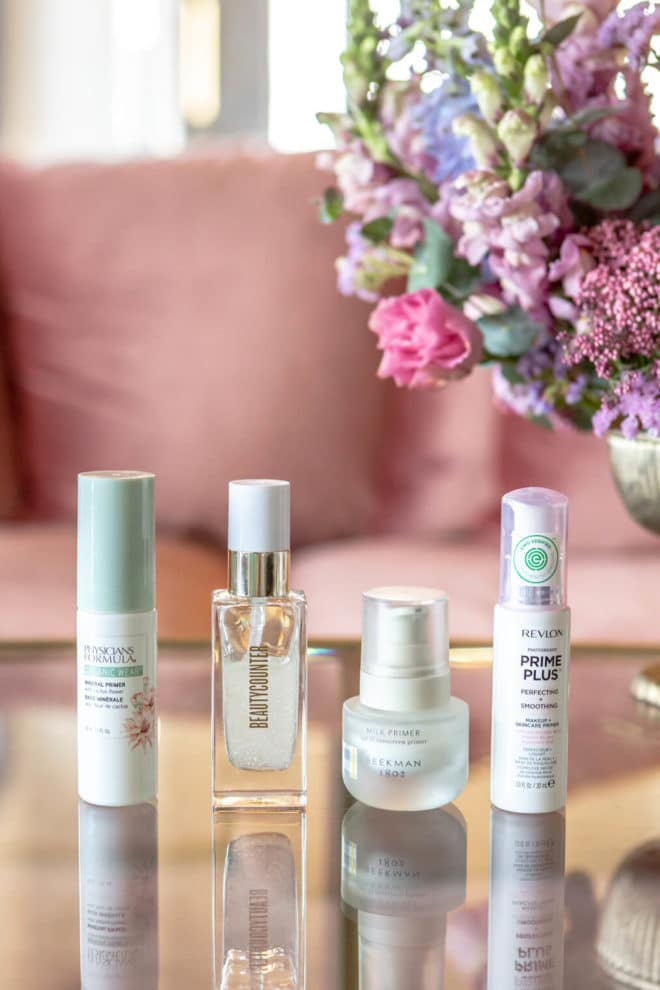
(636, 469)
(628, 944)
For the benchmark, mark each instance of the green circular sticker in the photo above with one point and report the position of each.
(536, 558)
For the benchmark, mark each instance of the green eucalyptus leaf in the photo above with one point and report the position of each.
(585, 117)
(377, 230)
(580, 418)
(617, 192)
(508, 334)
(561, 31)
(647, 208)
(543, 421)
(592, 164)
(461, 281)
(331, 205)
(557, 147)
(509, 370)
(433, 259)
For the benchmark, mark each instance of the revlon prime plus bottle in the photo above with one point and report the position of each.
(405, 739)
(259, 658)
(117, 720)
(531, 649)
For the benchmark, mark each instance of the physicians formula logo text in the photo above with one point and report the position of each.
(258, 687)
(109, 654)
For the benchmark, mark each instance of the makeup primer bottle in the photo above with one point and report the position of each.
(117, 722)
(405, 739)
(259, 658)
(531, 651)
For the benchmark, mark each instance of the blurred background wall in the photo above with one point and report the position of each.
(110, 79)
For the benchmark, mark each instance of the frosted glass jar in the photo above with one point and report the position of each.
(405, 761)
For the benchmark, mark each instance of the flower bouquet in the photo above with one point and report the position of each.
(504, 189)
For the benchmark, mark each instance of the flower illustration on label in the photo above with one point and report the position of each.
(535, 558)
(139, 728)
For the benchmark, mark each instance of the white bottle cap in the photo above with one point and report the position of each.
(259, 515)
(533, 554)
(405, 649)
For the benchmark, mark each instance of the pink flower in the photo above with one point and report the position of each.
(403, 199)
(424, 340)
(139, 730)
(510, 229)
(574, 261)
(358, 176)
(557, 10)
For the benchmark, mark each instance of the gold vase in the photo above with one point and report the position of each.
(636, 470)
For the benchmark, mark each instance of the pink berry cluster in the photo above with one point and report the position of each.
(619, 299)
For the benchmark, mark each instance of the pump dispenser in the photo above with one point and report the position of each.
(405, 739)
(531, 650)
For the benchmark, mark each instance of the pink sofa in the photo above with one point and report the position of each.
(182, 317)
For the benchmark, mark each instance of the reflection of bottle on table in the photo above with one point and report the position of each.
(401, 875)
(260, 915)
(118, 897)
(526, 906)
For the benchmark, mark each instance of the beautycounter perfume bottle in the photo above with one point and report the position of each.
(531, 651)
(259, 658)
(401, 876)
(526, 902)
(117, 717)
(405, 739)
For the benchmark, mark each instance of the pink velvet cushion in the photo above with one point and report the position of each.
(9, 490)
(182, 317)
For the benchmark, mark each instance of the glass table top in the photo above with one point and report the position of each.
(343, 897)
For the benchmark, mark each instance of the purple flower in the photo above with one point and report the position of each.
(403, 127)
(634, 30)
(358, 175)
(348, 267)
(634, 406)
(367, 267)
(525, 399)
(603, 419)
(585, 69)
(435, 114)
(403, 200)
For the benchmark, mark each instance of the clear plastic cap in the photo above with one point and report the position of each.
(259, 515)
(533, 550)
(405, 648)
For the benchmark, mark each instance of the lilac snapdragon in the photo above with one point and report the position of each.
(634, 406)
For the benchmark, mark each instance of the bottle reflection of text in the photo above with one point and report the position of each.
(401, 875)
(118, 850)
(526, 906)
(259, 913)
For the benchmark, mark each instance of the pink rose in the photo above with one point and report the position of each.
(424, 340)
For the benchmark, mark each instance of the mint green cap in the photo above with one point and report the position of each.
(116, 541)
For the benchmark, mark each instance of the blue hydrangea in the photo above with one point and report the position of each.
(436, 114)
